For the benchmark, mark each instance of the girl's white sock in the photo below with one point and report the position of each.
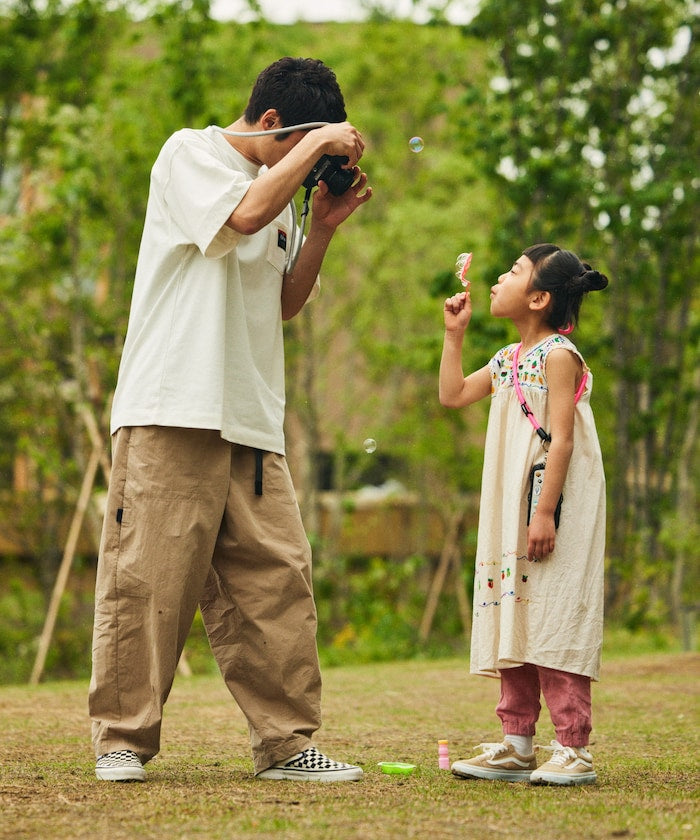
(522, 743)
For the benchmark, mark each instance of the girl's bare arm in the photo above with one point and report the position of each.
(563, 372)
(456, 390)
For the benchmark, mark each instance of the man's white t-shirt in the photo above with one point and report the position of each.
(204, 345)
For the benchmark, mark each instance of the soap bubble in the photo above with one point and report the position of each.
(416, 144)
(463, 263)
(370, 445)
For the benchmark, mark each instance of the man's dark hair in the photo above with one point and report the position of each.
(301, 90)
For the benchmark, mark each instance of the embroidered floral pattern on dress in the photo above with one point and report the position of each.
(507, 587)
(530, 368)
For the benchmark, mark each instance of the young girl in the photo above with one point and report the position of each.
(538, 592)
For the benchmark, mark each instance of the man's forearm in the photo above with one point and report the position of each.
(300, 281)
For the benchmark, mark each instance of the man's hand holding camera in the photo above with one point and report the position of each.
(342, 186)
(341, 139)
(330, 210)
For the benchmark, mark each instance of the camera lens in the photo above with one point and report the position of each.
(340, 180)
(329, 169)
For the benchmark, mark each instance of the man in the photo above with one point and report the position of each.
(201, 508)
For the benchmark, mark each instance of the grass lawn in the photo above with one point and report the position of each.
(645, 747)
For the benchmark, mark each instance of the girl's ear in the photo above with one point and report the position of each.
(540, 300)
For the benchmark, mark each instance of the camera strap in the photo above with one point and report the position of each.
(297, 238)
(544, 436)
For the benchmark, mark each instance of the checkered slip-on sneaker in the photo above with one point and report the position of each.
(567, 766)
(497, 761)
(120, 766)
(312, 765)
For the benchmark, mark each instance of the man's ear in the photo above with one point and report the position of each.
(540, 300)
(270, 119)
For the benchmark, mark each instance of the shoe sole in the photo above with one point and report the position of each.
(120, 774)
(471, 772)
(563, 779)
(280, 773)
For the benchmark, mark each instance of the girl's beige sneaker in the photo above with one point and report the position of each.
(497, 761)
(567, 766)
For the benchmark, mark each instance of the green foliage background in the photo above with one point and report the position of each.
(600, 140)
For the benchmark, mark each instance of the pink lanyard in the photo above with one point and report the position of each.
(527, 411)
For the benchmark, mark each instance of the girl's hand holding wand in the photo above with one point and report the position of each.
(456, 391)
(457, 312)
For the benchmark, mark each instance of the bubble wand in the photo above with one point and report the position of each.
(463, 263)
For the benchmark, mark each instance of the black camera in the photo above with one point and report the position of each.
(328, 169)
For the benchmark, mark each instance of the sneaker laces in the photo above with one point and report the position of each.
(492, 750)
(561, 755)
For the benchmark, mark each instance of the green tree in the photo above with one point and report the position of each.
(586, 129)
(58, 238)
(186, 26)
